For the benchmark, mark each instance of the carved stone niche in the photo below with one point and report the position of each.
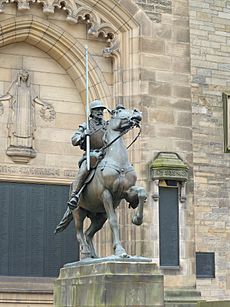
(169, 166)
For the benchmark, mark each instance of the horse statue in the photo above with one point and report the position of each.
(114, 180)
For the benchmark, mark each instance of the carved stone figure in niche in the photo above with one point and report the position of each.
(21, 123)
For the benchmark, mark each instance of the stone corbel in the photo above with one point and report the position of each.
(113, 49)
(21, 154)
(183, 196)
(155, 194)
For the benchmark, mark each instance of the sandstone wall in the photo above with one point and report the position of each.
(209, 32)
(166, 106)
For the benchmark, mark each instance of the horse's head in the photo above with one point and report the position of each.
(123, 118)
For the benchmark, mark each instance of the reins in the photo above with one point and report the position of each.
(137, 136)
(120, 135)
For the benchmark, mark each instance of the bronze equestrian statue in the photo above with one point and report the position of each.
(112, 180)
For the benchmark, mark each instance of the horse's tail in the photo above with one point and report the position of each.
(67, 218)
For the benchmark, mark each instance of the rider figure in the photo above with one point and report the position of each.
(97, 128)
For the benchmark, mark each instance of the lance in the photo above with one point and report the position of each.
(87, 108)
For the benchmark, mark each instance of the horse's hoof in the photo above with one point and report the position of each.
(85, 256)
(137, 220)
(85, 252)
(95, 257)
(120, 252)
(124, 255)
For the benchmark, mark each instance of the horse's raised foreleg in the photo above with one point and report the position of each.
(139, 193)
(79, 215)
(112, 218)
(97, 222)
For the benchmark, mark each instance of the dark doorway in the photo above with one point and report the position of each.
(29, 215)
(169, 227)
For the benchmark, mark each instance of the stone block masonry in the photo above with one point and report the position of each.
(154, 8)
(209, 39)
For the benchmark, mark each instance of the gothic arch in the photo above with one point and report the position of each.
(120, 23)
(61, 46)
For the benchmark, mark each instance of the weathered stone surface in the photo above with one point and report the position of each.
(181, 35)
(181, 297)
(25, 291)
(155, 8)
(182, 92)
(111, 283)
(160, 88)
(157, 62)
(152, 46)
(209, 24)
(168, 165)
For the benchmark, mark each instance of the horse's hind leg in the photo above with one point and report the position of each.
(97, 222)
(79, 215)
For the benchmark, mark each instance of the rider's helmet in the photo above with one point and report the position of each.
(95, 104)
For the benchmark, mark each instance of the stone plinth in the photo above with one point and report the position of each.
(109, 283)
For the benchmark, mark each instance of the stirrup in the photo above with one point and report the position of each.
(73, 202)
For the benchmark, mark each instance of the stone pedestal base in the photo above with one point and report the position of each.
(107, 284)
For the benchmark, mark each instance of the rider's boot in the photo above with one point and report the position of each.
(80, 180)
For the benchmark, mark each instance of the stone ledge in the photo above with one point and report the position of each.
(24, 291)
(26, 284)
(181, 297)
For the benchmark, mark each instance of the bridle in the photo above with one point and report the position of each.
(123, 133)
